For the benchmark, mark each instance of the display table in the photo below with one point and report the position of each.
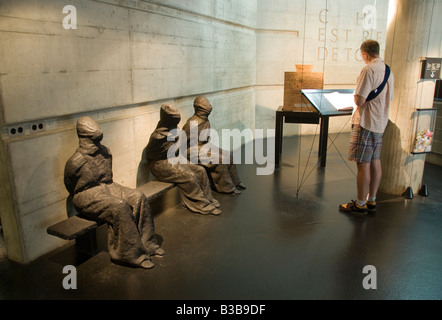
(319, 112)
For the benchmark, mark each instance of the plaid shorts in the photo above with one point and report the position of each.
(364, 145)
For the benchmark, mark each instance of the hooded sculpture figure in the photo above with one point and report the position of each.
(224, 175)
(88, 178)
(159, 145)
(192, 180)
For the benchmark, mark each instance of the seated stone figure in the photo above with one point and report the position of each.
(192, 180)
(88, 178)
(224, 175)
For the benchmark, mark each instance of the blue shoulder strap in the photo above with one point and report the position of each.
(377, 91)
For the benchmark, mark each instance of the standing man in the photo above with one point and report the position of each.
(374, 91)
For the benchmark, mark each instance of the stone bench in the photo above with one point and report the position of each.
(83, 231)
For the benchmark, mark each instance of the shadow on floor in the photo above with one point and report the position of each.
(282, 239)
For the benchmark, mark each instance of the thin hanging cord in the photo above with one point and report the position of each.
(304, 178)
(301, 182)
(306, 165)
(332, 143)
(302, 81)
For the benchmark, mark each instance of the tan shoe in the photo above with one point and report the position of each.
(353, 207)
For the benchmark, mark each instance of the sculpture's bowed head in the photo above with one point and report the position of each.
(169, 116)
(202, 106)
(89, 128)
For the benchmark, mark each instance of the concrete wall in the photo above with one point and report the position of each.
(415, 32)
(296, 32)
(122, 62)
(126, 58)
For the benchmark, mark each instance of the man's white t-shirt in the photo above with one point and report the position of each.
(373, 115)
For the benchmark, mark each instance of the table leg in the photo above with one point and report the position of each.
(278, 137)
(323, 139)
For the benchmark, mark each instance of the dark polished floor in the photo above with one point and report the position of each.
(270, 243)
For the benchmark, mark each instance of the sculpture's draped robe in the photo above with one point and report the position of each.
(223, 173)
(192, 180)
(88, 178)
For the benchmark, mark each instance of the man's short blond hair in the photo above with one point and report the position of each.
(371, 47)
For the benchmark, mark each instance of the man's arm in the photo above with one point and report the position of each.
(359, 100)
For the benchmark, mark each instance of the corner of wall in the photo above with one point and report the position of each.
(8, 216)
